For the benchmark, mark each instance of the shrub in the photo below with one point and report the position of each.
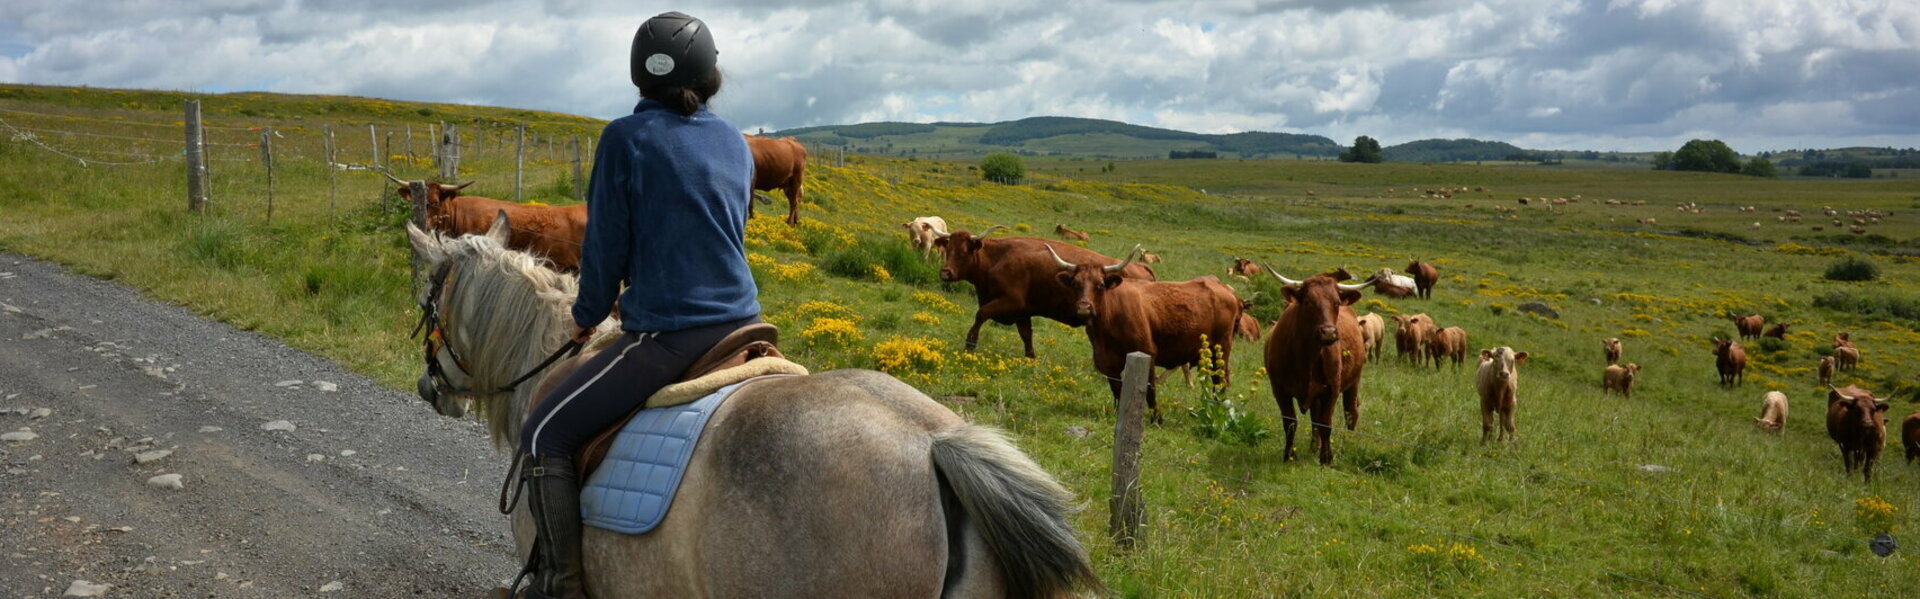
(1220, 417)
(1004, 168)
(887, 260)
(1853, 268)
(831, 332)
(900, 354)
(1870, 304)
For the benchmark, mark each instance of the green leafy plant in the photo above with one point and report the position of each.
(1221, 417)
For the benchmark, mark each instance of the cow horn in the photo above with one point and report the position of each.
(1064, 265)
(462, 186)
(1113, 268)
(1276, 274)
(390, 177)
(990, 230)
(1358, 286)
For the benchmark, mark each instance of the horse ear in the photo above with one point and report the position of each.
(499, 231)
(427, 245)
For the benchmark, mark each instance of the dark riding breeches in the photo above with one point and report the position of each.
(614, 382)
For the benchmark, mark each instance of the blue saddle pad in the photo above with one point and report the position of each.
(631, 490)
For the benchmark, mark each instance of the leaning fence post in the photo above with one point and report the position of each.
(579, 181)
(1125, 506)
(450, 169)
(519, 161)
(433, 143)
(373, 146)
(333, 176)
(409, 144)
(266, 159)
(196, 160)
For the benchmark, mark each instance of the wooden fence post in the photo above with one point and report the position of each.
(373, 146)
(519, 161)
(433, 142)
(266, 159)
(333, 176)
(196, 160)
(409, 144)
(579, 180)
(417, 192)
(1125, 505)
(450, 153)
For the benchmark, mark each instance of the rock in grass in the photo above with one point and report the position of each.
(1539, 309)
(82, 588)
(167, 481)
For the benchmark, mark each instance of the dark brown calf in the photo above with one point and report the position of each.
(1857, 422)
(1731, 361)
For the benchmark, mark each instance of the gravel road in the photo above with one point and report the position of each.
(367, 494)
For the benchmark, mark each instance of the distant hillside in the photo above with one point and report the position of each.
(1058, 136)
(1453, 150)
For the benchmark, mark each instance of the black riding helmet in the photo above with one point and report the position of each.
(672, 48)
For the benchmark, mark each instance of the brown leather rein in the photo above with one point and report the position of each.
(430, 322)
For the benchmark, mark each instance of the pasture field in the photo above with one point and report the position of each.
(1671, 493)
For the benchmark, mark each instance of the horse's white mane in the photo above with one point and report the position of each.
(504, 311)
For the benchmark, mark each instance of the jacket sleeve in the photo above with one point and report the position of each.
(606, 252)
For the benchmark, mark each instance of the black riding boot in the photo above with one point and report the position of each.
(555, 501)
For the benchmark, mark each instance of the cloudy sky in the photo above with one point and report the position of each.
(1548, 74)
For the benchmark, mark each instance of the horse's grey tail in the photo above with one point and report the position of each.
(1019, 510)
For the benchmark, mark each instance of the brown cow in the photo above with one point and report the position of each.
(779, 164)
(1373, 330)
(1066, 233)
(1612, 347)
(1826, 371)
(1247, 327)
(1013, 279)
(1410, 334)
(1450, 342)
(1424, 276)
(1243, 268)
(1163, 319)
(1731, 361)
(1750, 325)
(1314, 352)
(1392, 285)
(1843, 339)
(551, 232)
(1778, 331)
(922, 231)
(1619, 377)
(1857, 422)
(1498, 382)
(1910, 436)
(1773, 412)
(1846, 358)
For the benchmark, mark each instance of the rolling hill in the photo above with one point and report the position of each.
(1058, 136)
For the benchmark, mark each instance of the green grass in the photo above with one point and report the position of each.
(1413, 506)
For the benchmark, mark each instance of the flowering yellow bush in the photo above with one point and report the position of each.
(792, 271)
(902, 354)
(936, 302)
(760, 261)
(821, 308)
(1459, 556)
(925, 318)
(1876, 513)
(880, 273)
(1635, 333)
(770, 233)
(1801, 250)
(831, 332)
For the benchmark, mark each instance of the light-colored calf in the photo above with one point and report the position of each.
(1498, 382)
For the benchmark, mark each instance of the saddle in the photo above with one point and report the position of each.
(751, 342)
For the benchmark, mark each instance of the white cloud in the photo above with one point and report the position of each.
(1573, 73)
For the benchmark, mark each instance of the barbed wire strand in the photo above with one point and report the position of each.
(19, 135)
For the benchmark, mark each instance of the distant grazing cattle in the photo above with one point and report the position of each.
(1910, 436)
(1826, 370)
(1843, 339)
(1410, 334)
(1149, 257)
(1619, 378)
(1163, 319)
(1777, 331)
(1424, 276)
(1450, 342)
(1750, 325)
(778, 164)
(1612, 346)
(1498, 382)
(1243, 268)
(1392, 285)
(1014, 279)
(1066, 233)
(1773, 412)
(1846, 358)
(923, 231)
(1314, 352)
(1373, 331)
(1857, 423)
(550, 232)
(1731, 361)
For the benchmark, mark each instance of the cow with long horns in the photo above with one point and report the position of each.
(1164, 319)
(1315, 352)
(1014, 281)
(551, 232)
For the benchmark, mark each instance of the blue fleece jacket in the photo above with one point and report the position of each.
(666, 214)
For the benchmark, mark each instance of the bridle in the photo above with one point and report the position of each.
(430, 323)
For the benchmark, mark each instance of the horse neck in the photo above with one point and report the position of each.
(508, 314)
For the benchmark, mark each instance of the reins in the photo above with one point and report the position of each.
(430, 323)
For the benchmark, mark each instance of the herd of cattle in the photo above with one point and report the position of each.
(1315, 351)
